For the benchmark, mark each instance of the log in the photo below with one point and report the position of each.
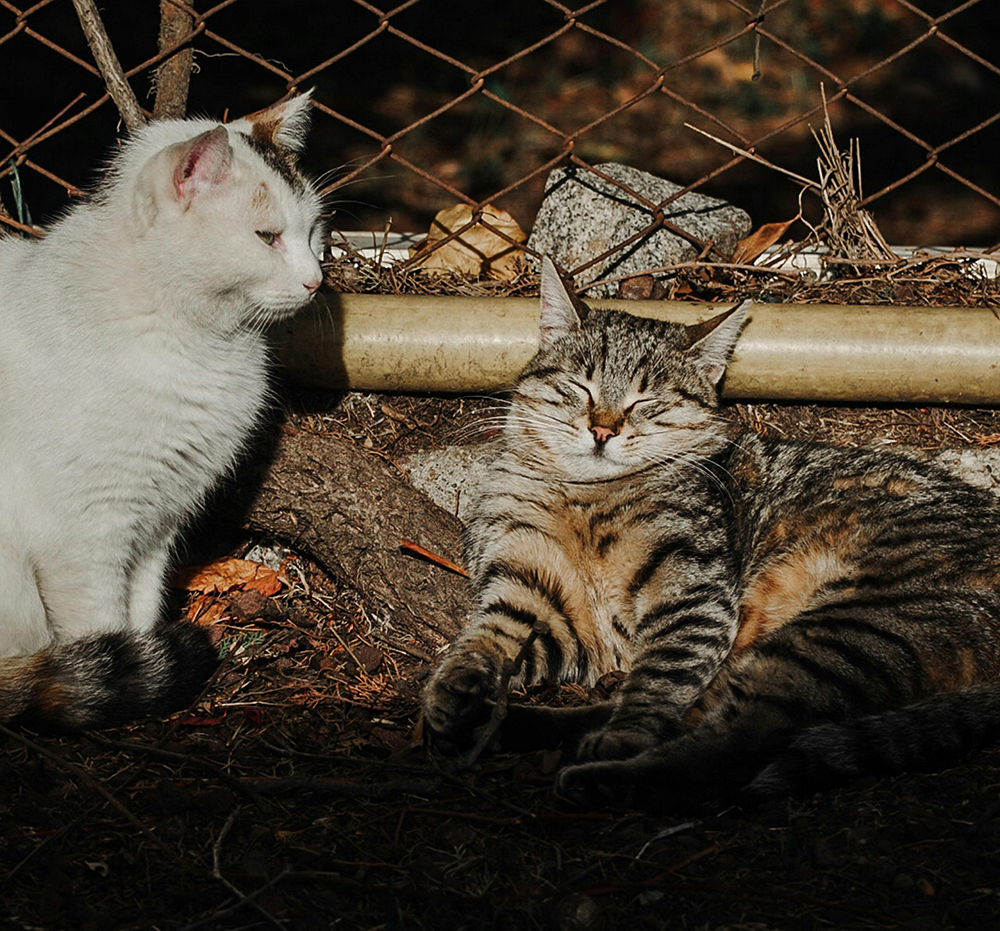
(348, 509)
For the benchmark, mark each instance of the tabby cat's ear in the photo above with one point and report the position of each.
(284, 124)
(713, 340)
(561, 310)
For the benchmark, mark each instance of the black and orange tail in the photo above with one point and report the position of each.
(107, 679)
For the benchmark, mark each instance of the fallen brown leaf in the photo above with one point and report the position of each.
(752, 247)
(224, 575)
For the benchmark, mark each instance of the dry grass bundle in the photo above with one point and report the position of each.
(849, 230)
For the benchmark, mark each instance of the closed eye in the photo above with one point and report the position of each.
(268, 237)
(637, 403)
(580, 386)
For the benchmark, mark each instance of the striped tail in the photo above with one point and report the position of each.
(107, 679)
(930, 734)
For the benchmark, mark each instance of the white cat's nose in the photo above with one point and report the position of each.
(312, 286)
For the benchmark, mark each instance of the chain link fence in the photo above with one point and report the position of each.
(430, 103)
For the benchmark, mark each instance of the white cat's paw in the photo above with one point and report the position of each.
(454, 698)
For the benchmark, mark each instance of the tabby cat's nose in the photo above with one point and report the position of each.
(602, 433)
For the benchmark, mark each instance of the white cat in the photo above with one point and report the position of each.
(132, 368)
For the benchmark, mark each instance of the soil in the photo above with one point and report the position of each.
(297, 793)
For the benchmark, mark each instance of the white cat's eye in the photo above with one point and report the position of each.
(268, 237)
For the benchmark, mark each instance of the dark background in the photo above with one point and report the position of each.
(935, 92)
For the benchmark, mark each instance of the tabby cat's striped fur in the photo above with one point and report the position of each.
(787, 614)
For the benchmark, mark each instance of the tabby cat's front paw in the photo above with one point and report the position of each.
(615, 743)
(598, 785)
(454, 699)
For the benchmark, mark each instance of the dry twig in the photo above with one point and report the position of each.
(107, 61)
(851, 231)
(510, 668)
(173, 77)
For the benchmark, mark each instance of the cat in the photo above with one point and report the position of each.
(787, 615)
(133, 367)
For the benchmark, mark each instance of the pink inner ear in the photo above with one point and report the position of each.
(204, 163)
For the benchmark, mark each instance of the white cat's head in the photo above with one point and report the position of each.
(224, 213)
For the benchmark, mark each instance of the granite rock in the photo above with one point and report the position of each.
(451, 476)
(583, 215)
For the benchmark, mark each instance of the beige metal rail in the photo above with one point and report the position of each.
(812, 352)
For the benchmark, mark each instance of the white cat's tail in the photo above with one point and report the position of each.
(105, 680)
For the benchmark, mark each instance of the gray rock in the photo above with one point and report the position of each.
(451, 476)
(583, 215)
(977, 467)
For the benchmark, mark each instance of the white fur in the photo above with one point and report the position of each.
(132, 368)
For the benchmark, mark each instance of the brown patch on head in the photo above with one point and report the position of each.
(261, 196)
(265, 130)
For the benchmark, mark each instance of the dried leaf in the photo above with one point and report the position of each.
(201, 721)
(224, 575)
(208, 616)
(751, 248)
(478, 251)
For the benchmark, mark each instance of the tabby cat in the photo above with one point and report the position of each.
(133, 366)
(787, 615)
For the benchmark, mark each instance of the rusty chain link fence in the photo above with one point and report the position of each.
(429, 103)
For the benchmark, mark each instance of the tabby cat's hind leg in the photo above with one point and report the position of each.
(752, 711)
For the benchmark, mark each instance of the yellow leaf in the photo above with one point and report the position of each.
(476, 252)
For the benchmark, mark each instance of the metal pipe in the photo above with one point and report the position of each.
(793, 352)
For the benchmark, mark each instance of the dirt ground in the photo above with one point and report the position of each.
(296, 792)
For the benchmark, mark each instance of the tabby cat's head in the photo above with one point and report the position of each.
(609, 393)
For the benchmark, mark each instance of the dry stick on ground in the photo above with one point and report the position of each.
(183, 759)
(110, 68)
(244, 899)
(509, 669)
(173, 77)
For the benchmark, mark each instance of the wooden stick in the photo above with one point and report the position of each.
(408, 546)
(173, 77)
(107, 61)
(736, 150)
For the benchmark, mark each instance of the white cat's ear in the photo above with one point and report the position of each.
(561, 310)
(714, 340)
(284, 124)
(202, 163)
